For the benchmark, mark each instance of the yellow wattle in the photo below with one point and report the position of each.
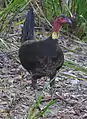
(55, 35)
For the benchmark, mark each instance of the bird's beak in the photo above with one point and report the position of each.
(68, 20)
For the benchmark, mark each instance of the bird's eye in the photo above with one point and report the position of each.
(61, 18)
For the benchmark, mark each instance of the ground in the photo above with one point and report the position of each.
(17, 96)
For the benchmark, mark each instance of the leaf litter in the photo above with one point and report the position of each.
(17, 96)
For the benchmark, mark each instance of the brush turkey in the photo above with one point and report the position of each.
(44, 57)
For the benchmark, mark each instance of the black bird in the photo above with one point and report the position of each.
(45, 57)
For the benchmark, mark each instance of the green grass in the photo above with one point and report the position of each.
(77, 7)
(75, 67)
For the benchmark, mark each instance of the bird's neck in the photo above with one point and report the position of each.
(55, 35)
(56, 29)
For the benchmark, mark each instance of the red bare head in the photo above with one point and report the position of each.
(60, 21)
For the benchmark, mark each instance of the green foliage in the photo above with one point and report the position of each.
(52, 8)
(75, 67)
(74, 7)
(35, 112)
(79, 7)
(11, 10)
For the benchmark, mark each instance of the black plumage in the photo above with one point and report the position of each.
(28, 28)
(42, 58)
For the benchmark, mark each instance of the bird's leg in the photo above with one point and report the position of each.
(34, 82)
(52, 83)
(34, 85)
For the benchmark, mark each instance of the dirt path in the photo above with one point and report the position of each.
(16, 96)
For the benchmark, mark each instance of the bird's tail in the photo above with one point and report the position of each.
(28, 28)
